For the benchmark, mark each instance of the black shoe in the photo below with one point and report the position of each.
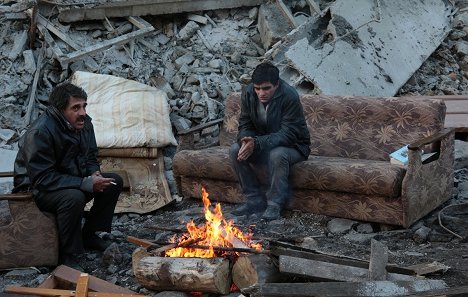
(249, 209)
(70, 261)
(273, 212)
(94, 242)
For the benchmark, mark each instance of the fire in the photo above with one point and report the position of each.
(215, 234)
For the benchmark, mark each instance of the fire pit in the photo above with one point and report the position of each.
(198, 261)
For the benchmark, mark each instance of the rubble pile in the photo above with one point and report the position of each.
(196, 58)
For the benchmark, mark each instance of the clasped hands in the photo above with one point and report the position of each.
(246, 149)
(100, 183)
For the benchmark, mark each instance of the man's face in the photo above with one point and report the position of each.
(265, 91)
(75, 112)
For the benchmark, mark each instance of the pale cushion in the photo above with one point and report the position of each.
(126, 113)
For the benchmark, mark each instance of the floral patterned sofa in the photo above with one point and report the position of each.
(29, 236)
(348, 173)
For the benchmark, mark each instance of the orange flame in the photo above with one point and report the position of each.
(216, 232)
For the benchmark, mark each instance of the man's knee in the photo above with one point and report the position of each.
(278, 156)
(72, 199)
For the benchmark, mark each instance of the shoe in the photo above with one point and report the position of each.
(249, 208)
(70, 261)
(273, 212)
(94, 242)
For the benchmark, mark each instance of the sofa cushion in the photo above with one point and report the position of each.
(356, 176)
(210, 163)
(317, 173)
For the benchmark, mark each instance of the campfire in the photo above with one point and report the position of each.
(200, 260)
(216, 238)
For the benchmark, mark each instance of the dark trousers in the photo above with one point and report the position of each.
(277, 161)
(68, 207)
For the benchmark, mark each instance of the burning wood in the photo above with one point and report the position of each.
(199, 260)
(217, 232)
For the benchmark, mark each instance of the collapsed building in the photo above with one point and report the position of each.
(199, 52)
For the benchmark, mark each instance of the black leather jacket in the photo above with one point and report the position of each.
(53, 156)
(286, 125)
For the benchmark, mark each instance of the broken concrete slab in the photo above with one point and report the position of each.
(145, 7)
(375, 47)
(272, 24)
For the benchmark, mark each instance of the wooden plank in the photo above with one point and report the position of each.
(378, 261)
(147, 7)
(16, 196)
(329, 271)
(142, 242)
(281, 248)
(68, 275)
(63, 293)
(457, 121)
(7, 174)
(82, 285)
(428, 268)
(139, 22)
(32, 95)
(52, 28)
(285, 10)
(457, 110)
(50, 41)
(123, 39)
(334, 289)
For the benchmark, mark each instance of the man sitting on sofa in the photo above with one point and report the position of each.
(273, 134)
(57, 161)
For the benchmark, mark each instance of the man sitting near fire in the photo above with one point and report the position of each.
(272, 133)
(57, 161)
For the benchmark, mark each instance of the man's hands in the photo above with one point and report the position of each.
(246, 149)
(100, 183)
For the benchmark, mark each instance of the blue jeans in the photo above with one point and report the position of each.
(277, 161)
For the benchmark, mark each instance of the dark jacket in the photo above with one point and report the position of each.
(53, 156)
(286, 125)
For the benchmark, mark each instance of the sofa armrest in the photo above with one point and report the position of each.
(192, 139)
(427, 185)
(430, 139)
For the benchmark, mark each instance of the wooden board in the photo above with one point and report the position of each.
(457, 111)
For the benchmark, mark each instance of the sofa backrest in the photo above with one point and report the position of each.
(355, 126)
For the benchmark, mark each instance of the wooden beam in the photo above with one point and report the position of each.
(32, 95)
(330, 271)
(345, 289)
(139, 22)
(281, 248)
(82, 285)
(59, 33)
(147, 7)
(63, 293)
(285, 10)
(123, 39)
(7, 174)
(68, 276)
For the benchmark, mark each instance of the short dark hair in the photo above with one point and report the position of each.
(61, 94)
(265, 72)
